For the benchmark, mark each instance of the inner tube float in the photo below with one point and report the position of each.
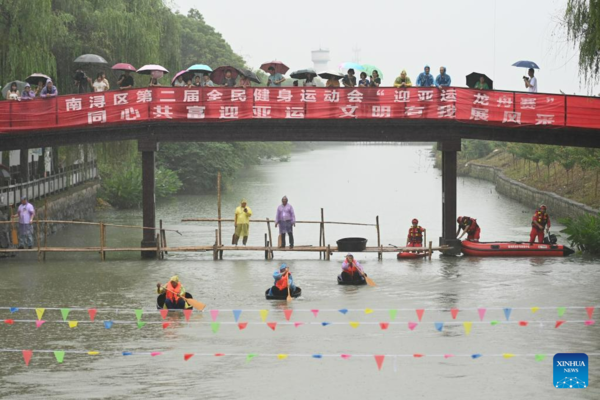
(356, 282)
(407, 255)
(160, 302)
(514, 249)
(277, 295)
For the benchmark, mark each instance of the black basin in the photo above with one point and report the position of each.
(352, 244)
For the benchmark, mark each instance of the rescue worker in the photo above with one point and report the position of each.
(242, 223)
(174, 293)
(415, 235)
(539, 222)
(470, 227)
(283, 278)
(351, 268)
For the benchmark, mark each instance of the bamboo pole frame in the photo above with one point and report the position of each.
(45, 224)
(264, 220)
(379, 255)
(270, 240)
(219, 213)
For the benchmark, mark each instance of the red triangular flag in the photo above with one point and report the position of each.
(188, 314)
(559, 323)
(454, 312)
(590, 311)
(379, 360)
(315, 312)
(418, 355)
(242, 325)
(272, 325)
(27, 356)
(9, 321)
(166, 325)
(420, 312)
(288, 314)
(187, 356)
(92, 313)
(164, 312)
(523, 323)
(384, 325)
(219, 354)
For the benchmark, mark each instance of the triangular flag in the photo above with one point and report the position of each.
(92, 313)
(215, 326)
(467, 326)
(9, 321)
(344, 311)
(65, 313)
(288, 314)
(393, 314)
(164, 312)
(93, 353)
(165, 325)
(138, 314)
(561, 311)
(317, 356)
(187, 314)
(523, 323)
(325, 323)
(187, 356)
(127, 353)
(72, 324)
(155, 353)
(236, 315)
(263, 315)
(384, 325)
(60, 355)
(590, 311)
(540, 357)
(297, 324)
(219, 354)
(420, 312)
(354, 324)
(242, 325)
(141, 324)
(39, 323)
(448, 355)
(14, 310)
(559, 323)
(27, 356)
(214, 314)
(439, 326)
(412, 325)
(508, 355)
(454, 312)
(315, 312)
(481, 312)
(345, 356)
(494, 323)
(476, 355)
(40, 312)
(507, 312)
(272, 325)
(108, 324)
(535, 309)
(589, 322)
(368, 311)
(379, 360)
(418, 355)
(250, 356)
(282, 356)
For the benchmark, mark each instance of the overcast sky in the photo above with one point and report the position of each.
(463, 35)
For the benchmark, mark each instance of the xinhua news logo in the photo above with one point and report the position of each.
(570, 370)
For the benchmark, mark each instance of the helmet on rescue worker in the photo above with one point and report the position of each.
(459, 219)
(415, 221)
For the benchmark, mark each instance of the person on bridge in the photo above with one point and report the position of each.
(13, 92)
(402, 81)
(26, 214)
(27, 94)
(349, 80)
(415, 235)
(125, 81)
(531, 82)
(482, 84)
(100, 84)
(49, 90)
(425, 79)
(351, 268)
(470, 227)
(539, 222)
(174, 293)
(275, 78)
(282, 278)
(443, 79)
(375, 79)
(228, 80)
(242, 223)
(363, 82)
(286, 220)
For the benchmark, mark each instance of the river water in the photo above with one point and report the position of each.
(351, 182)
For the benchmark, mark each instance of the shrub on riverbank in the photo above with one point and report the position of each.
(584, 233)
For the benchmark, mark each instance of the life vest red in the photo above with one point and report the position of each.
(282, 283)
(541, 218)
(468, 221)
(415, 235)
(173, 292)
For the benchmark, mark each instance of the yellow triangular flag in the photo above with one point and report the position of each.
(93, 353)
(40, 312)
(263, 315)
(354, 324)
(467, 326)
(508, 355)
(72, 324)
(282, 356)
(368, 311)
(534, 309)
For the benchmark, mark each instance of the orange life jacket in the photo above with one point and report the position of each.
(468, 221)
(282, 283)
(172, 293)
(415, 235)
(541, 218)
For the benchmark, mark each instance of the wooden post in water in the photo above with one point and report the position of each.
(102, 253)
(215, 253)
(325, 257)
(158, 250)
(45, 223)
(270, 240)
(266, 245)
(328, 253)
(430, 249)
(380, 254)
(38, 238)
(219, 212)
(163, 237)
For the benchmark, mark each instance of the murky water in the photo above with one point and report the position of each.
(352, 183)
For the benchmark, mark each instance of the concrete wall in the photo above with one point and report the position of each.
(557, 206)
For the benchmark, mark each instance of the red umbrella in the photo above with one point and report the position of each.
(185, 74)
(218, 75)
(123, 67)
(278, 65)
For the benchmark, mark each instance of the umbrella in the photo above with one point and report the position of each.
(347, 65)
(4, 171)
(473, 78)
(123, 67)
(526, 64)
(280, 67)
(369, 68)
(149, 68)
(218, 75)
(185, 74)
(303, 74)
(331, 74)
(201, 68)
(6, 88)
(33, 79)
(248, 74)
(90, 59)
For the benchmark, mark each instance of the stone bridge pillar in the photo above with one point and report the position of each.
(449, 151)
(148, 148)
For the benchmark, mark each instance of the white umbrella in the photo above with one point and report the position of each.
(149, 68)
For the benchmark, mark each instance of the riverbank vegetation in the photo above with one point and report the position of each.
(584, 233)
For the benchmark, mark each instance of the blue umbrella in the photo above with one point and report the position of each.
(200, 68)
(526, 64)
(347, 65)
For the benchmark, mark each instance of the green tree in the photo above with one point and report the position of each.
(582, 23)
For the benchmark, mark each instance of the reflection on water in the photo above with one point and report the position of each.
(352, 183)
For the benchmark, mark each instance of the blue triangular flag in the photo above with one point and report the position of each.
(343, 310)
(317, 356)
(127, 353)
(439, 326)
(236, 314)
(14, 310)
(108, 324)
(476, 355)
(325, 323)
(507, 312)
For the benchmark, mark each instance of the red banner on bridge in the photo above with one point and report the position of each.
(226, 104)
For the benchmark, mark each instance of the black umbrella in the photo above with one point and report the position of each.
(248, 74)
(473, 78)
(303, 74)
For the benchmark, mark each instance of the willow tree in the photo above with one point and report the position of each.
(582, 21)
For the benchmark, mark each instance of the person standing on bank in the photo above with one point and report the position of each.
(242, 223)
(286, 220)
(26, 214)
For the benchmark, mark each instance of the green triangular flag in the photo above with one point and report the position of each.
(138, 314)
(250, 356)
(494, 322)
(60, 355)
(215, 326)
(540, 357)
(141, 324)
(65, 313)
(561, 311)
(393, 314)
